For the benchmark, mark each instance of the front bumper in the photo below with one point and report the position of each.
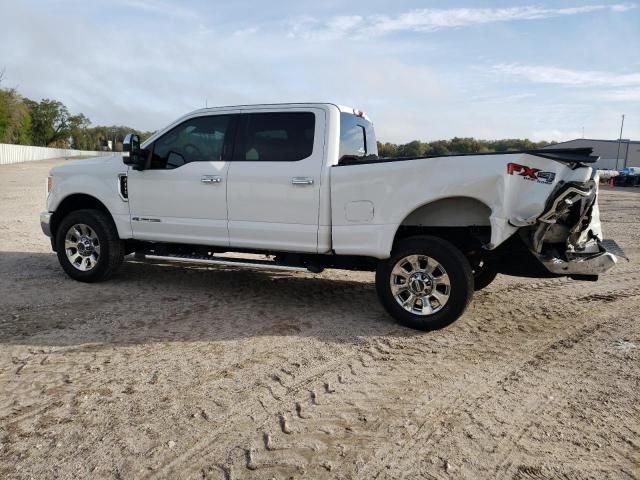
(45, 223)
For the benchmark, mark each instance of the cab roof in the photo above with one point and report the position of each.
(341, 108)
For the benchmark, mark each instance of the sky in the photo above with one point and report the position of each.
(427, 70)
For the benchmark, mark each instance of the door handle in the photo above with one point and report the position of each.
(211, 179)
(302, 181)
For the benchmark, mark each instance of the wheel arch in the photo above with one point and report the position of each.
(73, 202)
(464, 221)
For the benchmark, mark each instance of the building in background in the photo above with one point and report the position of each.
(607, 150)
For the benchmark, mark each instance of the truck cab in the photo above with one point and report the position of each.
(249, 177)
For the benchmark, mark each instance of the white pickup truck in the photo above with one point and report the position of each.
(302, 184)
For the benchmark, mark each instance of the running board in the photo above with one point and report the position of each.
(227, 262)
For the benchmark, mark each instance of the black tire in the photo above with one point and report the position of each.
(111, 247)
(483, 274)
(453, 262)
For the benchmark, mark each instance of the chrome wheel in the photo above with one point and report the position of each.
(420, 284)
(82, 246)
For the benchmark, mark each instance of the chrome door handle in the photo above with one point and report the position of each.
(302, 181)
(211, 179)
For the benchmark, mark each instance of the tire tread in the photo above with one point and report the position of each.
(108, 264)
(457, 267)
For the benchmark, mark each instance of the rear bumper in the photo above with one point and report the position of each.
(567, 238)
(45, 223)
(593, 265)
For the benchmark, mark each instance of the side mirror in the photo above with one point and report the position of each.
(132, 154)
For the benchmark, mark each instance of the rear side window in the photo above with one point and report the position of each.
(276, 137)
(198, 139)
(357, 137)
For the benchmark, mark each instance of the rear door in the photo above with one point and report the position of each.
(274, 180)
(181, 195)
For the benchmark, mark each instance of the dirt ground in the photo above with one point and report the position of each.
(175, 372)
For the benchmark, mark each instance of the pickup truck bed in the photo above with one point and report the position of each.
(565, 155)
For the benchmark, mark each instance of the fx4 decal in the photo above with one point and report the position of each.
(529, 173)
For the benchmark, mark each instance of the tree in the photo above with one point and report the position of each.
(438, 147)
(411, 149)
(50, 125)
(456, 145)
(15, 120)
(79, 132)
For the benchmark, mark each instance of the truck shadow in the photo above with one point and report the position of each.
(147, 303)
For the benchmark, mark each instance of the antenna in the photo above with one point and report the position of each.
(619, 141)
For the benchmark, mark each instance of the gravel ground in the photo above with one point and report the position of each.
(174, 372)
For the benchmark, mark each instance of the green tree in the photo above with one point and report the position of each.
(439, 147)
(50, 123)
(79, 132)
(387, 149)
(15, 119)
(411, 149)
(456, 145)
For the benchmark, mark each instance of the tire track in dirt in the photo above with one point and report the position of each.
(248, 390)
(257, 462)
(370, 353)
(555, 365)
(523, 361)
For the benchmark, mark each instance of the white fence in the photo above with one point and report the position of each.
(22, 153)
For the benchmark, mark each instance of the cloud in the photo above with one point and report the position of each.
(156, 67)
(243, 32)
(621, 95)
(563, 76)
(555, 135)
(158, 7)
(431, 20)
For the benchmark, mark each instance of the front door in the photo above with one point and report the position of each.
(273, 192)
(181, 195)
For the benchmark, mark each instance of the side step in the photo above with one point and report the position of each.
(229, 262)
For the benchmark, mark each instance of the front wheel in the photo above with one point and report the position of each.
(88, 246)
(426, 284)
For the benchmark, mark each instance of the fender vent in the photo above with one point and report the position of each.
(123, 187)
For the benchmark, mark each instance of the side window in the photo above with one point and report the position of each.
(198, 139)
(276, 137)
(357, 138)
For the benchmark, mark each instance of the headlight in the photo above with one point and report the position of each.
(49, 184)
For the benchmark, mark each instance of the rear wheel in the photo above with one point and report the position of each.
(426, 284)
(88, 246)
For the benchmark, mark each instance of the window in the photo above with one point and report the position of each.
(276, 137)
(357, 137)
(199, 139)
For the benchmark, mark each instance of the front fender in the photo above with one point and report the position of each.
(102, 188)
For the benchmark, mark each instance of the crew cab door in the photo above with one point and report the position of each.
(181, 195)
(274, 180)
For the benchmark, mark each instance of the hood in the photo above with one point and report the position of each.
(111, 162)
